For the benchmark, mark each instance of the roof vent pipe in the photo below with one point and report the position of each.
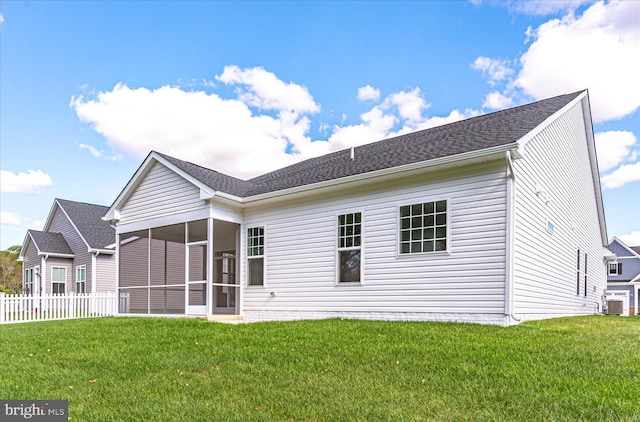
(353, 153)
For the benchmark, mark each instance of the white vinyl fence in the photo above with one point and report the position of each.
(27, 308)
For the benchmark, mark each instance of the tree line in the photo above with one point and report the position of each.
(10, 270)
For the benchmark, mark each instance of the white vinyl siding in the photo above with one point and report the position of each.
(161, 192)
(554, 183)
(469, 279)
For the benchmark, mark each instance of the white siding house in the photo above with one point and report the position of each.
(495, 219)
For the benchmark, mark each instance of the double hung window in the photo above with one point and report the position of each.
(255, 256)
(58, 279)
(81, 279)
(349, 247)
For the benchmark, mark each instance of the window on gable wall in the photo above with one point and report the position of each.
(349, 247)
(423, 227)
(255, 256)
(615, 268)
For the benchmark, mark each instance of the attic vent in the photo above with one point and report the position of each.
(353, 153)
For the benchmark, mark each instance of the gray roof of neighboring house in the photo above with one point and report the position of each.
(474, 134)
(52, 243)
(88, 220)
(636, 249)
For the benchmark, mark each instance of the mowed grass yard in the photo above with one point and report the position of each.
(148, 369)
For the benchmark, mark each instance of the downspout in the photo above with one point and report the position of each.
(43, 274)
(94, 271)
(510, 243)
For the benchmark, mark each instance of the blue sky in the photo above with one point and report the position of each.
(88, 88)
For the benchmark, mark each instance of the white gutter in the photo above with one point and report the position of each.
(383, 172)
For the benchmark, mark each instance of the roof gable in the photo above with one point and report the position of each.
(626, 249)
(50, 243)
(87, 220)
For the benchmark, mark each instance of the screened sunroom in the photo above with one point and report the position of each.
(187, 268)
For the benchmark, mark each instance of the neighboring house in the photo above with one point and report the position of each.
(495, 219)
(623, 274)
(75, 251)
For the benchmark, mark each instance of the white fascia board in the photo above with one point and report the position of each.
(55, 255)
(113, 214)
(24, 246)
(546, 122)
(498, 151)
(74, 226)
(593, 161)
(625, 246)
(47, 222)
(102, 251)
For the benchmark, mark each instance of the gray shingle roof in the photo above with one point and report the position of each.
(88, 219)
(53, 243)
(211, 178)
(474, 134)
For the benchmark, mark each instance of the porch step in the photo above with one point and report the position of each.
(227, 319)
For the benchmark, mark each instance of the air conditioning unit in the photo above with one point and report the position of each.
(615, 307)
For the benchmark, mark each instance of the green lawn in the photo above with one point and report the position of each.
(140, 369)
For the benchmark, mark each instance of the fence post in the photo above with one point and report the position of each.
(2, 296)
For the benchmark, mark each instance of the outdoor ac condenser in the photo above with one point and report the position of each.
(614, 307)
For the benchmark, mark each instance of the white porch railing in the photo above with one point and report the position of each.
(27, 308)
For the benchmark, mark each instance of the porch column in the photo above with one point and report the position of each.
(211, 259)
(239, 258)
(636, 288)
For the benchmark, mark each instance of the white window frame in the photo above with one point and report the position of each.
(613, 265)
(28, 280)
(81, 281)
(359, 247)
(447, 226)
(53, 282)
(251, 256)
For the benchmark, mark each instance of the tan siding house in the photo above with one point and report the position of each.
(75, 251)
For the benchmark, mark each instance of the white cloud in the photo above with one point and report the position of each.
(543, 8)
(264, 90)
(195, 126)
(96, 153)
(410, 105)
(599, 50)
(497, 101)
(626, 173)
(368, 92)
(497, 70)
(31, 181)
(631, 239)
(613, 148)
(242, 137)
(37, 224)
(9, 218)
